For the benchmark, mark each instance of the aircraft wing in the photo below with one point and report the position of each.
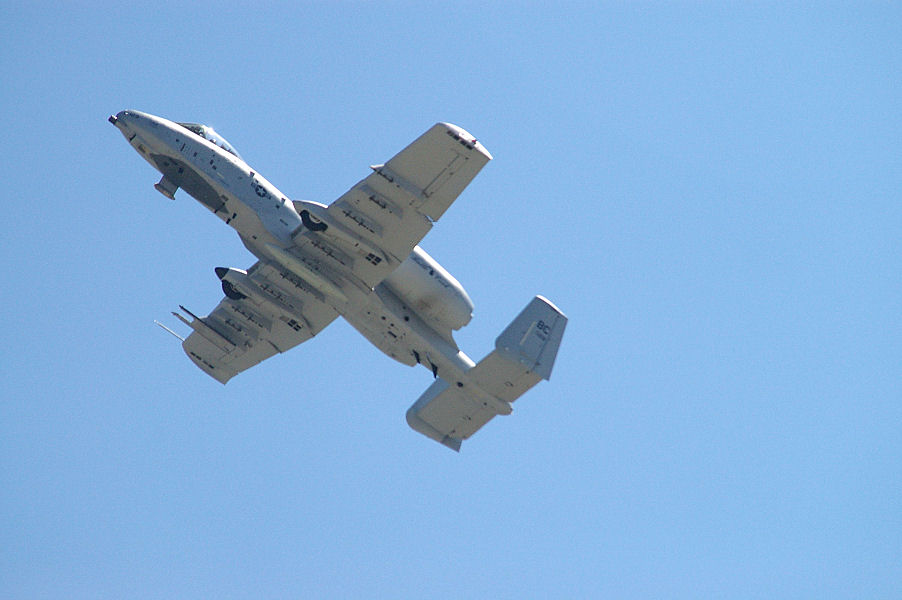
(265, 312)
(380, 220)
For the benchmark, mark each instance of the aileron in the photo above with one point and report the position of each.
(394, 207)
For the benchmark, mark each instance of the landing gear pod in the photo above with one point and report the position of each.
(166, 187)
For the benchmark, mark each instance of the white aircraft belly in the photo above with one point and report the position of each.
(357, 257)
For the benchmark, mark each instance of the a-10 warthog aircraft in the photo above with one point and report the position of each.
(357, 257)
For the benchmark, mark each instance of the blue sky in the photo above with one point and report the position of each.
(711, 192)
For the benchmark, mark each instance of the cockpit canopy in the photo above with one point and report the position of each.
(207, 132)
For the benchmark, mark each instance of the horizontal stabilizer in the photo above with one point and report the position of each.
(439, 412)
(524, 355)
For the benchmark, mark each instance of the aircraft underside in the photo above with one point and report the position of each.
(357, 258)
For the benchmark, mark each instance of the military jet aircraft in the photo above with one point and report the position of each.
(357, 257)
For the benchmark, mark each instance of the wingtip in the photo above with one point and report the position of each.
(466, 138)
(452, 443)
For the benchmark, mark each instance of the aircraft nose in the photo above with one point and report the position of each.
(123, 119)
(133, 122)
(130, 117)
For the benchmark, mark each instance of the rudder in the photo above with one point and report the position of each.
(533, 338)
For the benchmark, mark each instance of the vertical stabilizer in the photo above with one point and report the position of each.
(533, 338)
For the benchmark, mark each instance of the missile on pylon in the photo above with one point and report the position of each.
(238, 285)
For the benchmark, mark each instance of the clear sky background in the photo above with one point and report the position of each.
(710, 192)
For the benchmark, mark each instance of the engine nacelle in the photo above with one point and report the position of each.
(430, 291)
